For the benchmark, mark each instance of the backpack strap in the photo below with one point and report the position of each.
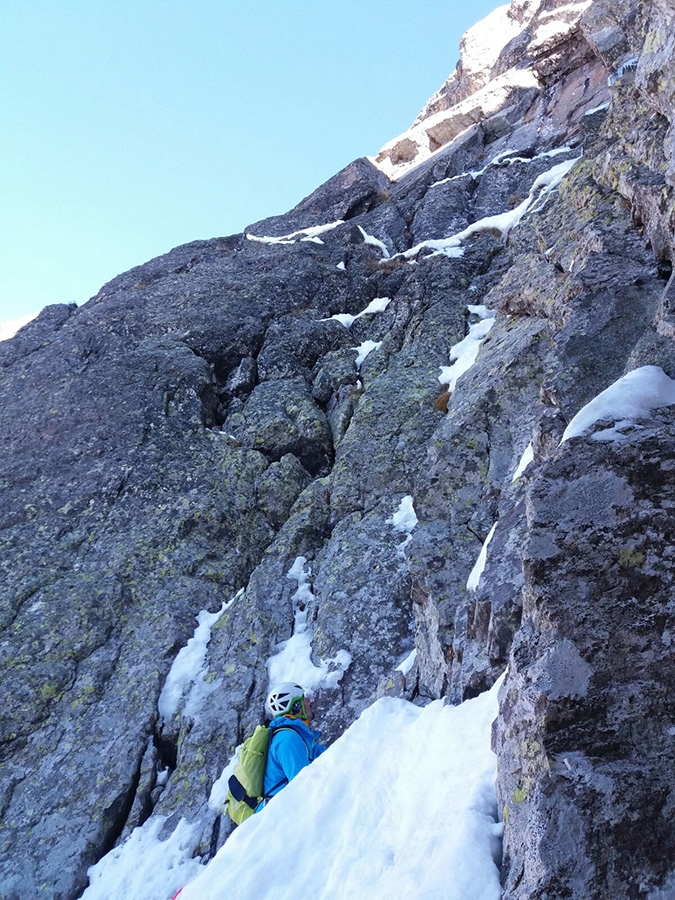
(237, 790)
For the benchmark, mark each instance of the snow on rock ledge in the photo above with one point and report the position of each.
(500, 72)
(628, 401)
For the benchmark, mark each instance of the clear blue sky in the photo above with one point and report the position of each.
(128, 127)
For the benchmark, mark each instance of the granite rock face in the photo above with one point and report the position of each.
(585, 735)
(177, 444)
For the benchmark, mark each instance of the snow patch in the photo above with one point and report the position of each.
(345, 319)
(293, 662)
(405, 517)
(379, 304)
(363, 350)
(626, 402)
(477, 571)
(145, 867)
(476, 173)
(464, 354)
(479, 309)
(375, 242)
(187, 674)
(309, 234)
(603, 106)
(545, 154)
(403, 521)
(407, 663)
(525, 460)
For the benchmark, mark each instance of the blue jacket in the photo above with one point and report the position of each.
(293, 748)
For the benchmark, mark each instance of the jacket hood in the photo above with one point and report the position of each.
(297, 724)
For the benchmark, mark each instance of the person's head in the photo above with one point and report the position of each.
(288, 699)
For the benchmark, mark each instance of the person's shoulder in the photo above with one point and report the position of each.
(281, 723)
(296, 726)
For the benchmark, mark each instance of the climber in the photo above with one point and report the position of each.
(296, 745)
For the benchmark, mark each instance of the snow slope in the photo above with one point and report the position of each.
(401, 806)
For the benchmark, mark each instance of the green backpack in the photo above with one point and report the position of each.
(246, 788)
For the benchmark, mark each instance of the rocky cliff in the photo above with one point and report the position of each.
(176, 445)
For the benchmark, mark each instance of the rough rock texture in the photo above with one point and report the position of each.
(586, 734)
(181, 439)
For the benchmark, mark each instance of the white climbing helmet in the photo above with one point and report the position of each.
(283, 697)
